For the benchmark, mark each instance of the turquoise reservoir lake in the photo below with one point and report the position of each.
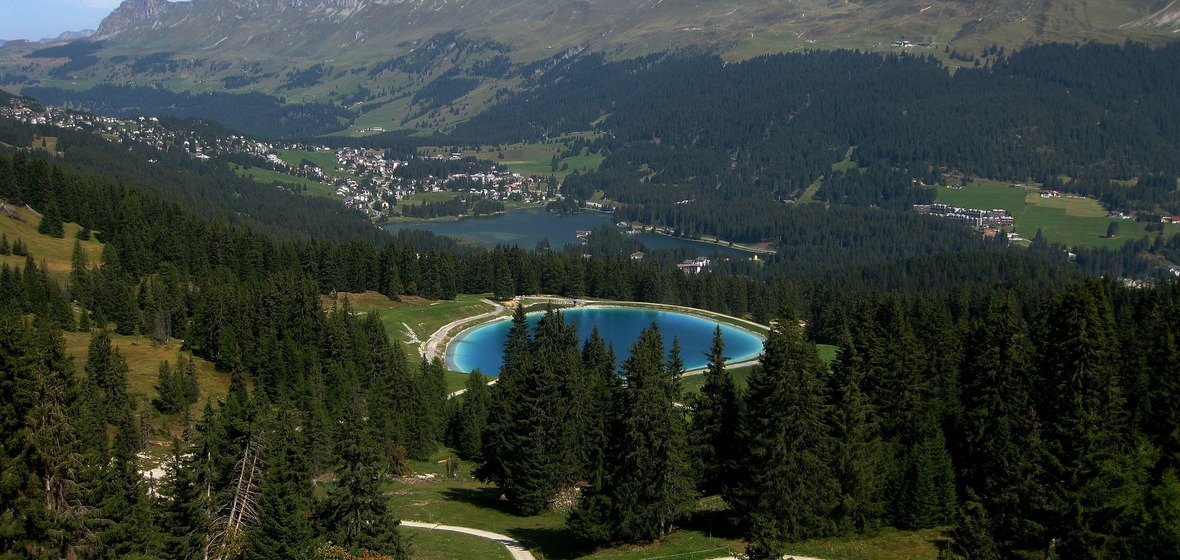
(483, 346)
(524, 228)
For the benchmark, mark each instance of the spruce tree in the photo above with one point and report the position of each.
(716, 414)
(996, 452)
(858, 452)
(785, 489)
(648, 486)
(106, 372)
(51, 224)
(355, 513)
(598, 364)
(284, 508)
(187, 516)
(1087, 469)
(170, 397)
(473, 416)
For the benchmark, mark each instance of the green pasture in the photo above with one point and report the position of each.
(143, 356)
(427, 544)
(270, 177)
(1071, 221)
(846, 164)
(325, 160)
(533, 159)
(419, 198)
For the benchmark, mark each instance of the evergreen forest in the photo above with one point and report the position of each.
(1022, 400)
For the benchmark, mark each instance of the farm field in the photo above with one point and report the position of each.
(1071, 221)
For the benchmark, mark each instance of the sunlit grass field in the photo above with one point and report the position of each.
(53, 252)
(1076, 222)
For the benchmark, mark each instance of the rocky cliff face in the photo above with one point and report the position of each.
(133, 13)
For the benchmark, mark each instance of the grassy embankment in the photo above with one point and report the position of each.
(1076, 222)
(423, 317)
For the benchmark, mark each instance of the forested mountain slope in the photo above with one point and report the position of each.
(1033, 419)
(426, 64)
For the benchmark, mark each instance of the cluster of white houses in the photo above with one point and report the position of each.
(362, 177)
(979, 218)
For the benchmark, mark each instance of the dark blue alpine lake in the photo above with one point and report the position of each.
(483, 346)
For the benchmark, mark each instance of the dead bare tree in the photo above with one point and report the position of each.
(241, 511)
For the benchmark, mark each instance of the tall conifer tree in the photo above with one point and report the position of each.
(648, 485)
(785, 489)
(715, 419)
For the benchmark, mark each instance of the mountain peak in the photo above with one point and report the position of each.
(132, 13)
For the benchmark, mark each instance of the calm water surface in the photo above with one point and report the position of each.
(483, 346)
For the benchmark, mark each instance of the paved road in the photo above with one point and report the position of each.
(514, 547)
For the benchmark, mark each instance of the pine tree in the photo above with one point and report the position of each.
(930, 485)
(284, 509)
(355, 513)
(499, 443)
(716, 414)
(186, 516)
(858, 452)
(999, 430)
(598, 364)
(125, 515)
(1087, 471)
(169, 400)
(42, 514)
(106, 373)
(785, 489)
(473, 417)
(648, 485)
(51, 224)
(540, 462)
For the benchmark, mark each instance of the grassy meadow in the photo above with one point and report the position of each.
(21, 223)
(531, 159)
(470, 503)
(1072, 221)
(143, 356)
(270, 177)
